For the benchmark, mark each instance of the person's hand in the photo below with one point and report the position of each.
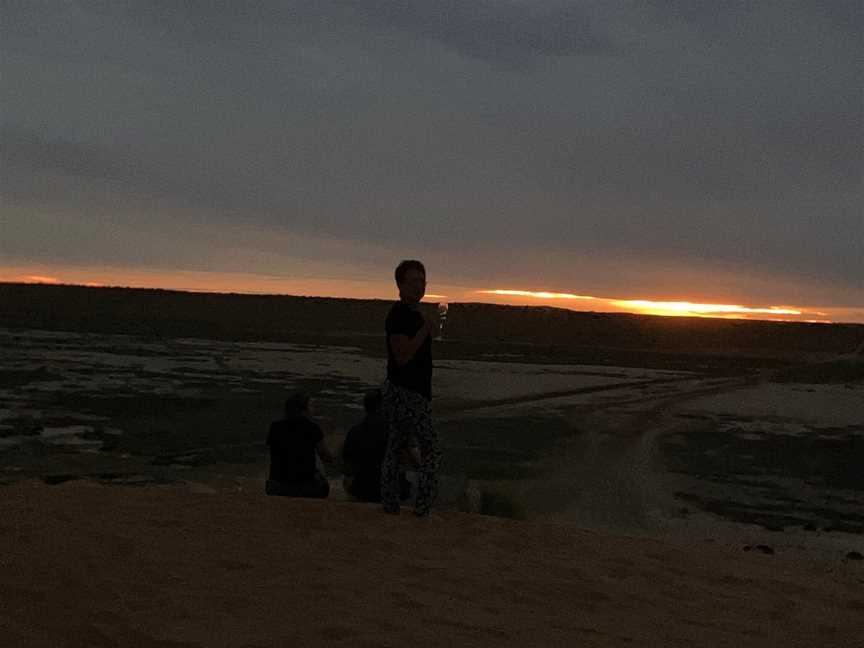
(324, 453)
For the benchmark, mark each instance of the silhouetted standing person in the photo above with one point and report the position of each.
(407, 392)
(294, 442)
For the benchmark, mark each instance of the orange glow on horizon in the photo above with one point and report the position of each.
(539, 295)
(682, 308)
(40, 279)
(205, 281)
(690, 309)
(364, 288)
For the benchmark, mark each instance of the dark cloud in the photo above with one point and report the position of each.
(498, 31)
(27, 156)
(507, 32)
(722, 135)
(717, 18)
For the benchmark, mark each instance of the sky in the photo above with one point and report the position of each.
(628, 151)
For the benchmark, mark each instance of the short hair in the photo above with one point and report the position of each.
(372, 400)
(296, 403)
(408, 264)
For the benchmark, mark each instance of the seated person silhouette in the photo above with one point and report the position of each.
(363, 454)
(294, 442)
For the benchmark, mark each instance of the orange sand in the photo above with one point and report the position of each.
(82, 564)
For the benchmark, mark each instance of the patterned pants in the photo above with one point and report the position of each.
(409, 415)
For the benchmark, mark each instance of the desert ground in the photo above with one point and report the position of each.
(710, 498)
(86, 564)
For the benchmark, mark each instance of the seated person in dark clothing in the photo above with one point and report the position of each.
(294, 442)
(363, 453)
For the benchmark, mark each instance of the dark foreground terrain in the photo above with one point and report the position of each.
(653, 425)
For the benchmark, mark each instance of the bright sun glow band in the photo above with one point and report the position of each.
(539, 295)
(689, 308)
(208, 282)
(648, 307)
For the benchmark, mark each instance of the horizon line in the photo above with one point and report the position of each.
(252, 293)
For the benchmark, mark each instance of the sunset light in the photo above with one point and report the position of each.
(203, 281)
(40, 279)
(539, 295)
(673, 308)
(689, 309)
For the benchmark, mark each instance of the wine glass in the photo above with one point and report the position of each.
(442, 319)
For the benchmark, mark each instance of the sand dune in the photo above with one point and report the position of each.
(90, 565)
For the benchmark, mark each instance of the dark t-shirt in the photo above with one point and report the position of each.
(363, 454)
(416, 374)
(292, 449)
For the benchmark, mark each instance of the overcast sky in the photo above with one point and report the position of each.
(638, 149)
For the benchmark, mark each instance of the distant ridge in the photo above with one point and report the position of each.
(237, 316)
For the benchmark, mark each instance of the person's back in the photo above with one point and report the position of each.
(292, 449)
(294, 442)
(363, 453)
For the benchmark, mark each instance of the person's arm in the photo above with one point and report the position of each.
(347, 454)
(404, 347)
(324, 452)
